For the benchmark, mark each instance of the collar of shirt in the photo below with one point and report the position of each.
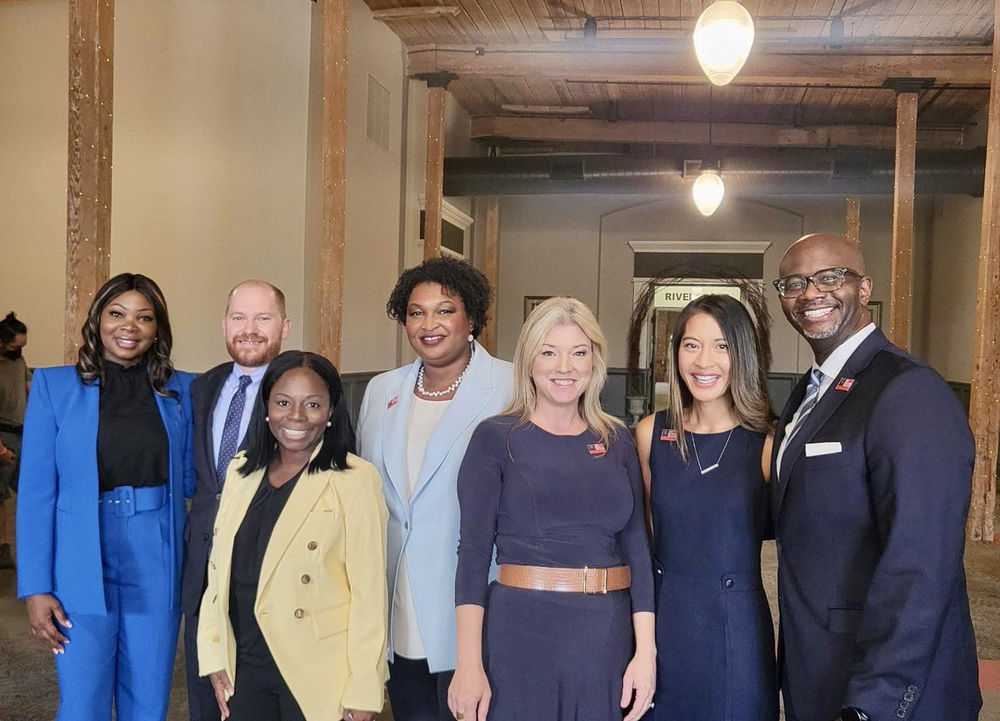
(832, 366)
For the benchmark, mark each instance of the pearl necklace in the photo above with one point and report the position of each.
(437, 394)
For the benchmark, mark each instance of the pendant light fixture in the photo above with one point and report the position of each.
(722, 40)
(708, 192)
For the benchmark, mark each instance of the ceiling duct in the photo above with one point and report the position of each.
(748, 173)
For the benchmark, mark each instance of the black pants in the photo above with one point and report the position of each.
(416, 694)
(262, 694)
(201, 697)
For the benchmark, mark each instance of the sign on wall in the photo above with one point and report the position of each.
(678, 296)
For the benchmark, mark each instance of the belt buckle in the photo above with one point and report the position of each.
(124, 501)
(603, 589)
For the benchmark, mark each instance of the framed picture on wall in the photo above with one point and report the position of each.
(875, 311)
(533, 301)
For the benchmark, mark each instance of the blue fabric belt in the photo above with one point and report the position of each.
(127, 500)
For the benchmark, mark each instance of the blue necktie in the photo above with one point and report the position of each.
(809, 402)
(231, 430)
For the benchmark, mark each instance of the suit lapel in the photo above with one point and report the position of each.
(214, 389)
(398, 401)
(91, 409)
(247, 488)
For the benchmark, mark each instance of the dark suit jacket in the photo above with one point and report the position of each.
(198, 535)
(871, 587)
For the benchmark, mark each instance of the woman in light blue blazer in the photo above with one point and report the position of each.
(415, 424)
(106, 465)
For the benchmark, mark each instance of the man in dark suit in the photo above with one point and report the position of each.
(222, 399)
(870, 490)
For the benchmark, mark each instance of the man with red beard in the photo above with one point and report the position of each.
(222, 399)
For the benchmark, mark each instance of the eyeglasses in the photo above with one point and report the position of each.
(826, 281)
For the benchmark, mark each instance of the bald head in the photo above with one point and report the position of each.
(253, 284)
(844, 253)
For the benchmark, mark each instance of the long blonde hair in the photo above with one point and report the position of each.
(549, 314)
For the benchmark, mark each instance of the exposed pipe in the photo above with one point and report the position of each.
(748, 173)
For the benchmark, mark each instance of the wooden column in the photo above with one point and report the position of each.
(984, 405)
(854, 220)
(491, 269)
(331, 255)
(437, 96)
(88, 222)
(901, 287)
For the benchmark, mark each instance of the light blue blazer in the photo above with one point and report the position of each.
(58, 535)
(426, 525)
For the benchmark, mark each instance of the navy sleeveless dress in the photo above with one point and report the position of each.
(714, 638)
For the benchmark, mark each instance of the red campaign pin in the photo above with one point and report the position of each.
(394, 401)
(596, 449)
(845, 384)
(668, 434)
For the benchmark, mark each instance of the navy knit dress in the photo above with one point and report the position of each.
(563, 502)
(714, 638)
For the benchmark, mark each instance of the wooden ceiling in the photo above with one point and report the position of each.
(625, 72)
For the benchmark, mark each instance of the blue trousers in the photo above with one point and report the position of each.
(125, 658)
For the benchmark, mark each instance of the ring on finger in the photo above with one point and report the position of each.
(460, 716)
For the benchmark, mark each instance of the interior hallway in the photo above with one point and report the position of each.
(28, 689)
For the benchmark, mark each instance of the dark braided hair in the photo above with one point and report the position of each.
(90, 364)
(457, 277)
(11, 327)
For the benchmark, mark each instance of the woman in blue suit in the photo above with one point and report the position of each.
(106, 465)
(414, 426)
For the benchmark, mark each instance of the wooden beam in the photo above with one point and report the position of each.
(491, 269)
(331, 290)
(901, 291)
(984, 404)
(854, 220)
(91, 104)
(434, 182)
(416, 13)
(620, 64)
(589, 130)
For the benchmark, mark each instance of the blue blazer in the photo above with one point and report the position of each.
(426, 525)
(58, 534)
(870, 535)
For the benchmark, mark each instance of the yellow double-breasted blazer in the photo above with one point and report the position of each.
(321, 602)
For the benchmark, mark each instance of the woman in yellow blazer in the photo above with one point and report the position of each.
(293, 622)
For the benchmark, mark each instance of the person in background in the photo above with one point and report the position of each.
(553, 485)
(414, 426)
(106, 465)
(253, 327)
(704, 463)
(15, 380)
(293, 623)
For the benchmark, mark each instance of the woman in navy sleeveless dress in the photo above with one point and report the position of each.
(707, 495)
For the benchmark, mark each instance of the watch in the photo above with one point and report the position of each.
(853, 714)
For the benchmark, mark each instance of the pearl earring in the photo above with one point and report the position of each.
(329, 423)
(471, 337)
(267, 419)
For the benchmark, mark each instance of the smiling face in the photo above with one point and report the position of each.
(298, 410)
(253, 326)
(826, 319)
(563, 367)
(703, 361)
(437, 326)
(128, 328)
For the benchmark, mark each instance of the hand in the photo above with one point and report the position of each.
(640, 679)
(42, 608)
(352, 715)
(469, 694)
(224, 691)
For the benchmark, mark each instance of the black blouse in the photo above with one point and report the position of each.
(249, 548)
(132, 445)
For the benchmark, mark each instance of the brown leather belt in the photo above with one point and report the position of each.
(569, 580)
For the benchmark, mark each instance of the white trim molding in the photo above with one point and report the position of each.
(449, 212)
(758, 247)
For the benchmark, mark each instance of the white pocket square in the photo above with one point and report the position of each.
(822, 449)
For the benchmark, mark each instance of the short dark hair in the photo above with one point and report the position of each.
(11, 327)
(458, 277)
(90, 361)
(338, 440)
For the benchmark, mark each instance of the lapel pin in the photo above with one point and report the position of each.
(845, 384)
(668, 434)
(394, 401)
(596, 449)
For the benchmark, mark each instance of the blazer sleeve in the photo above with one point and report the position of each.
(363, 422)
(919, 454)
(365, 518)
(188, 405)
(36, 500)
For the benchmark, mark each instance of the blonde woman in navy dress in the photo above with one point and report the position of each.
(567, 632)
(702, 466)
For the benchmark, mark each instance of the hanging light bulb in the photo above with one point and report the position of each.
(722, 40)
(708, 192)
